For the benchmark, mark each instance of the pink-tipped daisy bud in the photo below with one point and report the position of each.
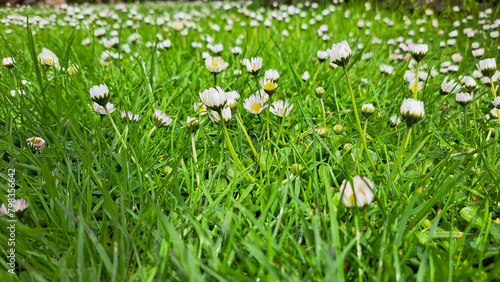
(160, 119)
(214, 98)
(463, 98)
(412, 111)
(478, 53)
(496, 102)
(386, 70)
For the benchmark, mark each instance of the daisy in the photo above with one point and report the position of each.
(255, 104)
(36, 142)
(281, 109)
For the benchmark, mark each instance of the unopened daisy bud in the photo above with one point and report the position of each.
(419, 52)
(488, 67)
(232, 104)
(338, 129)
(226, 115)
(463, 98)
(272, 75)
(367, 110)
(478, 53)
(347, 147)
(100, 94)
(322, 55)
(486, 81)
(412, 111)
(192, 123)
(296, 168)
(320, 92)
(160, 119)
(494, 113)
(448, 87)
(36, 142)
(9, 62)
(340, 53)
(386, 70)
(470, 84)
(394, 121)
(496, 102)
(130, 117)
(305, 76)
(323, 132)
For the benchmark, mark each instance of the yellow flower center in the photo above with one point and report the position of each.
(351, 199)
(36, 141)
(215, 65)
(256, 108)
(414, 87)
(270, 86)
(253, 68)
(50, 61)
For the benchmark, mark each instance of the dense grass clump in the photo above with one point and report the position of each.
(360, 144)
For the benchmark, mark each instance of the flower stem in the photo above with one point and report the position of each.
(149, 136)
(493, 90)
(323, 108)
(466, 123)
(195, 157)
(416, 82)
(395, 169)
(215, 79)
(363, 141)
(358, 247)
(238, 118)
(231, 148)
(116, 129)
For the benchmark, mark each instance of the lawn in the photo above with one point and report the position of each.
(232, 142)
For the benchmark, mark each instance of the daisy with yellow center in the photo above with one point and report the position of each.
(36, 142)
(357, 193)
(215, 65)
(255, 103)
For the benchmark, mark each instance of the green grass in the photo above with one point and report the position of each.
(98, 211)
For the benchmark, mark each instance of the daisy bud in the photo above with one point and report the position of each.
(320, 92)
(419, 52)
(48, 58)
(338, 129)
(488, 67)
(463, 98)
(386, 70)
(160, 119)
(296, 168)
(192, 124)
(322, 55)
(100, 94)
(323, 132)
(358, 193)
(394, 121)
(9, 62)
(340, 53)
(347, 147)
(470, 84)
(367, 110)
(130, 117)
(478, 53)
(103, 110)
(496, 102)
(412, 111)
